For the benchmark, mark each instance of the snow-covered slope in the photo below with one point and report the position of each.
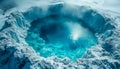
(15, 53)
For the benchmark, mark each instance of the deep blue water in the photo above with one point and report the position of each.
(60, 36)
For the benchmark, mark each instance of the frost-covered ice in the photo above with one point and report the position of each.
(15, 21)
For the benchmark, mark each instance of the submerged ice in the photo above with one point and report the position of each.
(60, 36)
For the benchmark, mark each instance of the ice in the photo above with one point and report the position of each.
(99, 19)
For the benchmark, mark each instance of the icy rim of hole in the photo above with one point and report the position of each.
(93, 20)
(15, 28)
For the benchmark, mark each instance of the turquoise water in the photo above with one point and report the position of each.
(61, 37)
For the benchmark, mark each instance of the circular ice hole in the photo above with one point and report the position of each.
(61, 37)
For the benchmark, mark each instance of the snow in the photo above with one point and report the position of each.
(15, 52)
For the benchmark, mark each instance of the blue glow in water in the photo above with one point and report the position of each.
(62, 37)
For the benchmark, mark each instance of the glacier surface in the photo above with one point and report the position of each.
(19, 22)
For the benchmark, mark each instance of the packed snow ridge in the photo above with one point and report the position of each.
(15, 52)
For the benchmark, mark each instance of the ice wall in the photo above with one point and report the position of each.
(15, 52)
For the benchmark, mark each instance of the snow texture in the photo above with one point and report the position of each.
(15, 53)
